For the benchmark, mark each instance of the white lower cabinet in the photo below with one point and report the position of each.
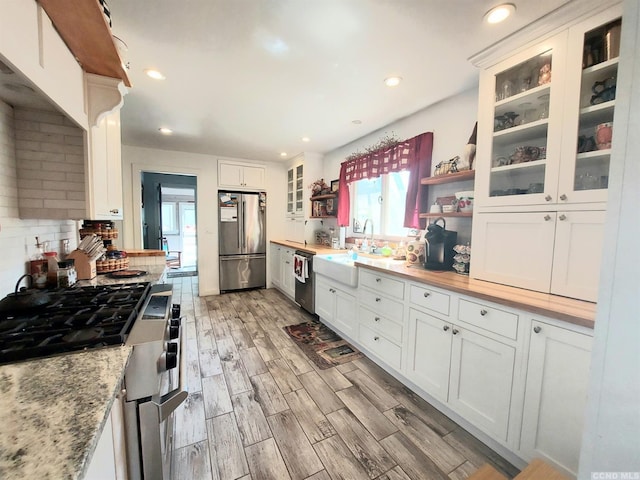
(336, 305)
(472, 373)
(480, 381)
(555, 395)
(381, 316)
(274, 263)
(287, 280)
(281, 263)
(429, 353)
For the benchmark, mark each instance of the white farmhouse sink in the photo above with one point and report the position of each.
(339, 268)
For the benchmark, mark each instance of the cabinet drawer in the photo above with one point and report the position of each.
(489, 318)
(384, 325)
(381, 304)
(429, 299)
(382, 283)
(381, 346)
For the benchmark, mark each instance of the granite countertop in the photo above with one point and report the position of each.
(53, 410)
(569, 310)
(155, 274)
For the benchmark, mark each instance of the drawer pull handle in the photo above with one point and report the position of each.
(376, 338)
(455, 331)
(445, 328)
(378, 299)
(483, 312)
(426, 294)
(562, 217)
(114, 211)
(378, 280)
(537, 329)
(377, 319)
(547, 218)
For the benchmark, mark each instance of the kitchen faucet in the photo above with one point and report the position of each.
(364, 230)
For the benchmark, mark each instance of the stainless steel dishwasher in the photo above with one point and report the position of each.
(305, 292)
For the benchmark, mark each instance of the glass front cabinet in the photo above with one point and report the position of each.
(544, 143)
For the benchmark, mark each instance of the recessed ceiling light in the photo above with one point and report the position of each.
(165, 131)
(392, 81)
(499, 13)
(306, 139)
(283, 154)
(356, 122)
(155, 74)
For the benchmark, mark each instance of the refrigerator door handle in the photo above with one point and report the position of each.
(242, 226)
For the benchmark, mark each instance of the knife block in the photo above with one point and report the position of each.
(85, 267)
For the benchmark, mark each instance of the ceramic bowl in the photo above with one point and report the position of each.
(465, 201)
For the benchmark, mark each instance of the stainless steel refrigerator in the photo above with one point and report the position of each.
(242, 231)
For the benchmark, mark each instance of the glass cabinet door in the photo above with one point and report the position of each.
(584, 173)
(520, 130)
(299, 189)
(290, 192)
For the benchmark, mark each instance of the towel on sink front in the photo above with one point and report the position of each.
(300, 268)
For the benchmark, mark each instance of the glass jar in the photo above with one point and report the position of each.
(62, 275)
(52, 269)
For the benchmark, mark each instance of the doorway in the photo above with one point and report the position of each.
(168, 217)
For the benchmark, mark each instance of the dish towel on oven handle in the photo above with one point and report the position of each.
(300, 268)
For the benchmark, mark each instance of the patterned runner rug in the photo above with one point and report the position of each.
(321, 344)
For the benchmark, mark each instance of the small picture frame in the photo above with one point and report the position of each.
(330, 207)
(334, 186)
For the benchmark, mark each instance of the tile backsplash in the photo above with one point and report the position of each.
(17, 236)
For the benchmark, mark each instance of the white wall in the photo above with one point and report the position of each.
(451, 122)
(205, 167)
(610, 440)
(17, 236)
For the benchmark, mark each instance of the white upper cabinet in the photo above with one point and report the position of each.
(295, 190)
(544, 135)
(241, 175)
(104, 189)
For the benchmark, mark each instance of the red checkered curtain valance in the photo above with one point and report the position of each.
(372, 165)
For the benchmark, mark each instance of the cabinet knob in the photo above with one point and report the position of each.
(378, 299)
(426, 294)
(376, 338)
(378, 280)
(563, 197)
(483, 312)
(547, 198)
(455, 331)
(445, 328)
(547, 218)
(562, 217)
(377, 319)
(537, 329)
(115, 211)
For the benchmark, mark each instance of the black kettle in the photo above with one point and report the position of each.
(23, 299)
(439, 243)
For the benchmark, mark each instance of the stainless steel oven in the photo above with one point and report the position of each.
(154, 386)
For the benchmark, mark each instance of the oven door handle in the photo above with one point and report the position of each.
(172, 400)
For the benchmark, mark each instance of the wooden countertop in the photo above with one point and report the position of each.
(309, 248)
(145, 253)
(570, 310)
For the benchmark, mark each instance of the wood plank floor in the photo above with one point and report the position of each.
(259, 409)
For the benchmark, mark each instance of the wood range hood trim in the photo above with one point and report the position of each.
(82, 26)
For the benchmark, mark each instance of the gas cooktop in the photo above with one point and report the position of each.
(75, 319)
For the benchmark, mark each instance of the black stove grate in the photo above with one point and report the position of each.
(76, 319)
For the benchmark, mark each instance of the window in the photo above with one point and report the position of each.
(169, 218)
(382, 200)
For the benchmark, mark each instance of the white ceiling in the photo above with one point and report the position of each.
(249, 78)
